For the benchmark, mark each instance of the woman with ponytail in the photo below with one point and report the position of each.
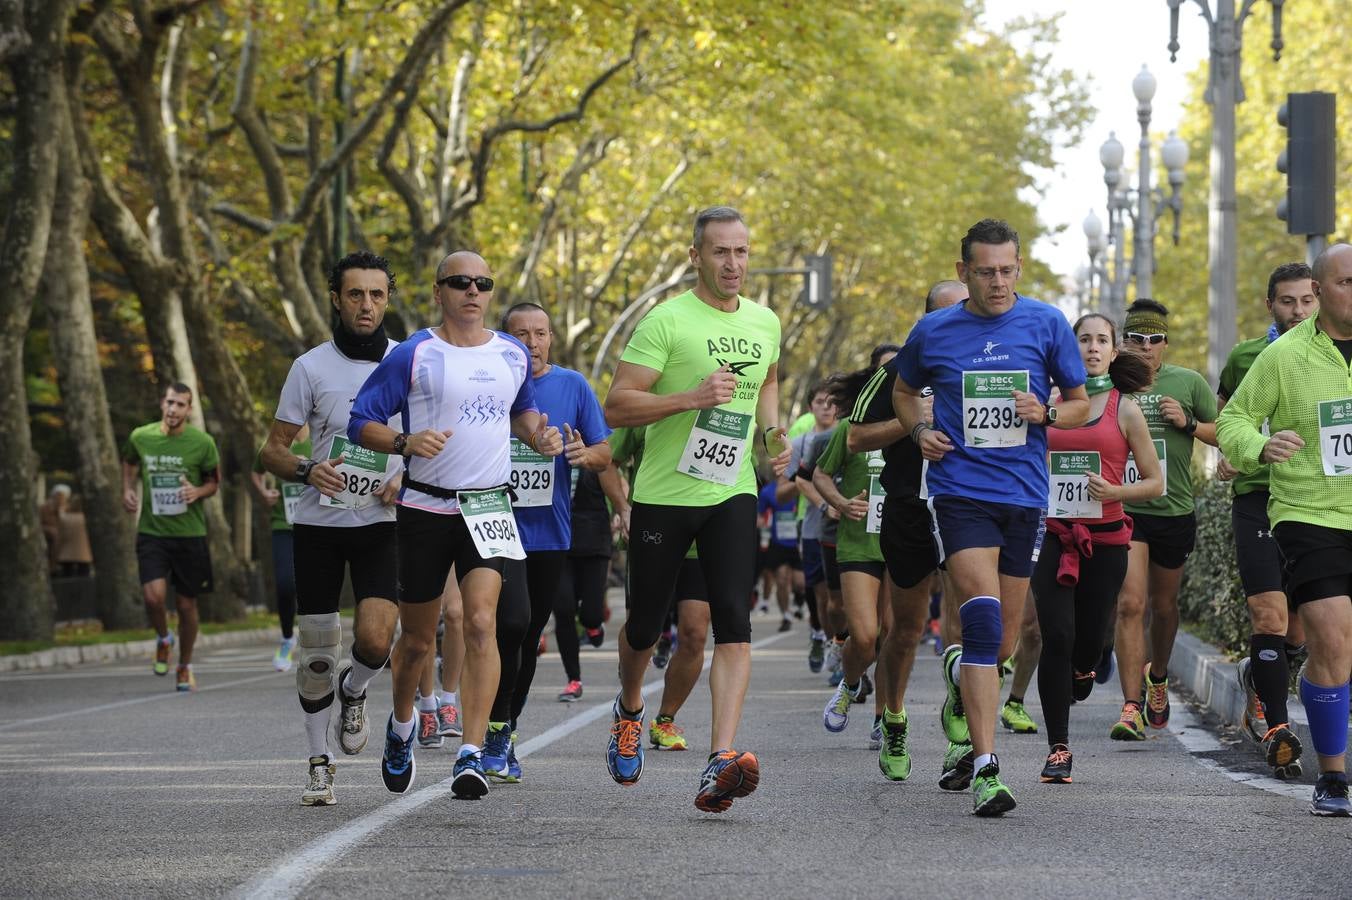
(1084, 557)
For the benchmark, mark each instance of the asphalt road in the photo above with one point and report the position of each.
(113, 785)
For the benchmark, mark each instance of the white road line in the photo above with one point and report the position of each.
(134, 701)
(1196, 739)
(289, 876)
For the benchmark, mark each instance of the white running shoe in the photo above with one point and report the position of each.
(319, 792)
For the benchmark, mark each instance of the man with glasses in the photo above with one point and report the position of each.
(1179, 408)
(461, 392)
(991, 361)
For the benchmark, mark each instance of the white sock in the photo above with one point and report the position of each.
(982, 761)
(818, 635)
(359, 678)
(427, 704)
(468, 748)
(448, 698)
(403, 730)
(317, 731)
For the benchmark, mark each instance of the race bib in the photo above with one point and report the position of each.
(492, 527)
(291, 492)
(1335, 436)
(363, 474)
(532, 476)
(786, 527)
(876, 495)
(1069, 495)
(1131, 475)
(716, 446)
(166, 494)
(988, 418)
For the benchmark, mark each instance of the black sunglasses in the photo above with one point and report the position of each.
(462, 282)
(1152, 339)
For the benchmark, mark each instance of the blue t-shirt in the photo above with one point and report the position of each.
(565, 396)
(1031, 336)
(783, 518)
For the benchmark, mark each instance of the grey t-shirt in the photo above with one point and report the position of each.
(813, 443)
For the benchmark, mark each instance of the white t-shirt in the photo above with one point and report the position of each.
(319, 391)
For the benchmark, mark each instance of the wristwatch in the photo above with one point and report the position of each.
(303, 470)
(1051, 414)
(400, 441)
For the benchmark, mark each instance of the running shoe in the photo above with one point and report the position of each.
(894, 759)
(785, 624)
(513, 764)
(730, 775)
(662, 655)
(1156, 700)
(1014, 716)
(572, 693)
(596, 636)
(1057, 769)
(624, 756)
(468, 781)
(1131, 725)
(1255, 719)
(665, 734)
(1330, 796)
(1081, 686)
(162, 647)
(816, 653)
(397, 767)
(990, 797)
(1103, 672)
(543, 647)
(497, 747)
(429, 730)
(831, 662)
(319, 792)
(875, 737)
(350, 726)
(952, 716)
(837, 713)
(865, 688)
(281, 661)
(185, 680)
(958, 763)
(448, 720)
(1282, 751)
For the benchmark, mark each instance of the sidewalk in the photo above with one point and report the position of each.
(67, 657)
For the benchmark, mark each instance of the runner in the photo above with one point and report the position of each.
(438, 710)
(1263, 673)
(543, 506)
(460, 392)
(991, 361)
(814, 572)
(832, 611)
(905, 541)
(1299, 387)
(776, 506)
(1179, 408)
(1084, 559)
(343, 519)
(280, 517)
(700, 373)
(176, 466)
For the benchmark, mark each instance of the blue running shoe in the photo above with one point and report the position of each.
(513, 764)
(624, 757)
(497, 746)
(1103, 672)
(469, 781)
(1330, 796)
(396, 765)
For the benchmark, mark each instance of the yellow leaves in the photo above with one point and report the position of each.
(703, 38)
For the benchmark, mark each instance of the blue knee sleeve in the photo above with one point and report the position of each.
(981, 631)
(1326, 708)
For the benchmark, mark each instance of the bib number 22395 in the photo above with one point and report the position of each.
(988, 417)
(716, 445)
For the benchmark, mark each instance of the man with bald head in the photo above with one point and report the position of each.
(1298, 388)
(461, 392)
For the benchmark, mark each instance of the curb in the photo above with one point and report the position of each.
(69, 657)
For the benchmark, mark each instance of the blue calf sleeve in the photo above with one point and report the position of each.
(1326, 708)
(981, 631)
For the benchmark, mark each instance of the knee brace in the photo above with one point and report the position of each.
(320, 640)
(981, 631)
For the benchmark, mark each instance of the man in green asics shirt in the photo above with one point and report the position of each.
(167, 468)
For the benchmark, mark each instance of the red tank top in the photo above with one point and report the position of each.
(1104, 437)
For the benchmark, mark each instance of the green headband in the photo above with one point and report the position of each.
(1146, 321)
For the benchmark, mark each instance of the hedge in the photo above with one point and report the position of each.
(1211, 598)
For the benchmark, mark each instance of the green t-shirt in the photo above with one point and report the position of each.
(854, 543)
(686, 339)
(802, 425)
(291, 490)
(1194, 395)
(164, 460)
(1236, 367)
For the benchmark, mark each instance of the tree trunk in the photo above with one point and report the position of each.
(65, 284)
(27, 609)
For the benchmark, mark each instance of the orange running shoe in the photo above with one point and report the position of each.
(729, 775)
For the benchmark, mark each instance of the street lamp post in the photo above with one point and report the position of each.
(1223, 92)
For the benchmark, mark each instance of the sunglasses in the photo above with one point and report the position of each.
(1151, 339)
(462, 283)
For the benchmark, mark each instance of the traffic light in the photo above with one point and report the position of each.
(817, 281)
(1309, 162)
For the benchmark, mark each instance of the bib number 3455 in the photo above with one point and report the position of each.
(717, 442)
